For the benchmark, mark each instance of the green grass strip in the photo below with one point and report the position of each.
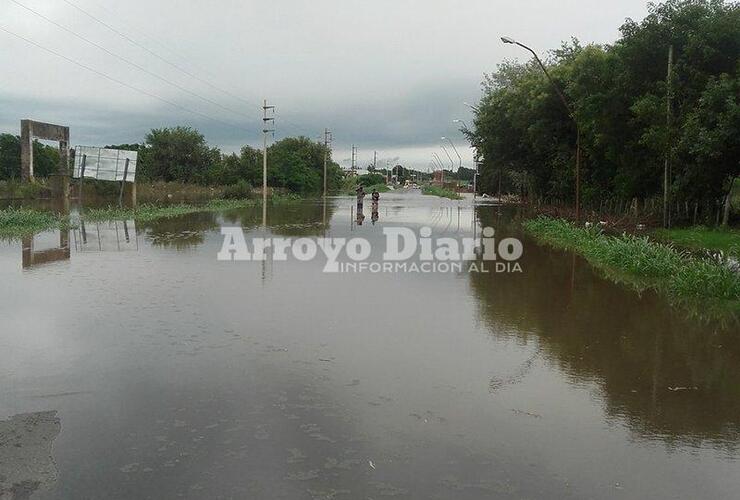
(19, 222)
(441, 192)
(703, 238)
(646, 263)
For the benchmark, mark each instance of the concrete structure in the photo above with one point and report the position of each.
(30, 130)
(32, 257)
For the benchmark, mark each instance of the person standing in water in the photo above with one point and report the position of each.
(360, 201)
(376, 198)
(360, 197)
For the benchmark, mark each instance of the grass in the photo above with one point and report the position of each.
(15, 189)
(351, 189)
(726, 241)
(441, 192)
(380, 188)
(149, 212)
(22, 221)
(645, 263)
(18, 222)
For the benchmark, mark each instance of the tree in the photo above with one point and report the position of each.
(297, 163)
(45, 158)
(618, 94)
(177, 154)
(10, 156)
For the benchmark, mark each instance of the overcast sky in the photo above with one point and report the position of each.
(386, 75)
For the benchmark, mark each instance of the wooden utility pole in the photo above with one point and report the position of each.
(265, 131)
(327, 141)
(667, 164)
(123, 184)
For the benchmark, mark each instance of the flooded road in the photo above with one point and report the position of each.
(171, 374)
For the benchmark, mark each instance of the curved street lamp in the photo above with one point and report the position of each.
(452, 163)
(455, 149)
(511, 41)
(465, 125)
(472, 106)
(475, 159)
(441, 166)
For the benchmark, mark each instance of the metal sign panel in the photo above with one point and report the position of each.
(105, 164)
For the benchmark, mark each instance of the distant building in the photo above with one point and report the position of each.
(348, 172)
(437, 178)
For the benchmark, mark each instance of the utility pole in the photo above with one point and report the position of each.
(571, 113)
(375, 159)
(327, 141)
(441, 166)
(265, 131)
(667, 165)
(452, 163)
(354, 158)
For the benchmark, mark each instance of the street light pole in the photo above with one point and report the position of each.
(465, 125)
(459, 158)
(472, 106)
(452, 163)
(509, 40)
(454, 149)
(327, 141)
(265, 131)
(441, 166)
(475, 160)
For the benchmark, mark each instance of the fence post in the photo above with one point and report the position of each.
(123, 184)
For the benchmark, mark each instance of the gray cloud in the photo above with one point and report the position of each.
(385, 75)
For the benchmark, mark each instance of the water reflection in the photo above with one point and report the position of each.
(185, 377)
(112, 236)
(667, 376)
(32, 256)
(180, 233)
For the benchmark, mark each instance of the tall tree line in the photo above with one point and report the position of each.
(182, 154)
(619, 95)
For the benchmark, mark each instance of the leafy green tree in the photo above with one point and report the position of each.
(10, 156)
(371, 179)
(297, 164)
(45, 158)
(618, 94)
(177, 154)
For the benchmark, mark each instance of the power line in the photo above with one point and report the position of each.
(161, 58)
(127, 26)
(172, 64)
(108, 77)
(128, 61)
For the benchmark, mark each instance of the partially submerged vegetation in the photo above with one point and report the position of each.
(21, 221)
(726, 241)
(441, 192)
(16, 222)
(645, 264)
(370, 182)
(380, 188)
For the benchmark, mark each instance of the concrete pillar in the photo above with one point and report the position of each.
(58, 181)
(26, 150)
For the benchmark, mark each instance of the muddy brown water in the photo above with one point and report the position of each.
(175, 375)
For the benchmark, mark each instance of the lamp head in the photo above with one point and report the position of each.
(507, 39)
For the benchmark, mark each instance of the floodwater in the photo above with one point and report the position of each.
(134, 364)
